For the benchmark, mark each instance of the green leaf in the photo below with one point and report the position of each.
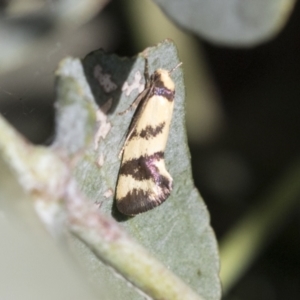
(234, 23)
(178, 232)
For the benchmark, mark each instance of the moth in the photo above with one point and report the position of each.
(143, 181)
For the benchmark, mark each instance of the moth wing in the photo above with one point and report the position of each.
(138, 112)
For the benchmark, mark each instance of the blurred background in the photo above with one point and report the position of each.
(242, 115)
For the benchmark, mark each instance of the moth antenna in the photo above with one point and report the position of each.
(177, 66)
(146, 71)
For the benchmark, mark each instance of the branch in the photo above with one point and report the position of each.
(112, 245)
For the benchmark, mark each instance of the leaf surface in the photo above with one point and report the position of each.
(178, 232)
(230, 22)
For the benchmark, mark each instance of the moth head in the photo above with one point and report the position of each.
(164, 77)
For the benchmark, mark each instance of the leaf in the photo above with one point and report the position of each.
(177, 232)
(27, 248)
(230, 22)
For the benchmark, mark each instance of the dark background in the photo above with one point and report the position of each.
(260, 92)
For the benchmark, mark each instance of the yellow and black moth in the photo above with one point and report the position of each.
(144, 182)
